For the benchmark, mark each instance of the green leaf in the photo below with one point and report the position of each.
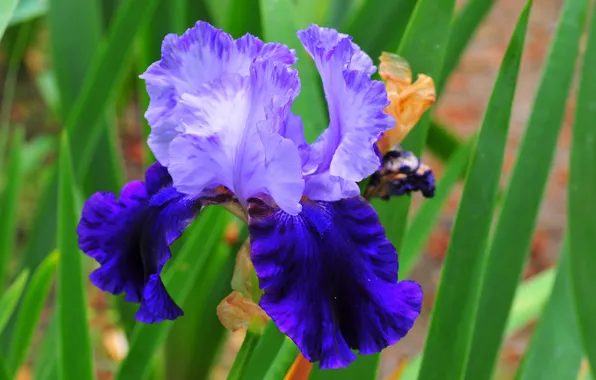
(555, 352)
(424, 221)
(30, 311)
(243, 17)
(441, 141)
(282, 361)
(189, 264)
(379, 25)
(244, 354)
(451, 328)
(97, 92)
(76, 361)
(193, 358)
(264, 353)
(7, 8)
(466, 22)
(279, 24)
(73, 52)
(582, 184)
(10, 196)
(520, 206)
(45, 364)
(27, 10)
(10, 83)
(529, 302)
(10, 297)
(424, 46)
(105, 77)
(530, 298)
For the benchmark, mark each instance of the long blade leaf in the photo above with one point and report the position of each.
(30, 311)
(520, 205)
(582, 184)
(426, 218)
(555, 352)
(76, 361)
(452, 318)
(14, 181)
(10, 298)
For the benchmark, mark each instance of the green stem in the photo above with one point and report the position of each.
(246, 351)
(283, 360)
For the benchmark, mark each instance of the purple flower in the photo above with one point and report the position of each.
(222, 126)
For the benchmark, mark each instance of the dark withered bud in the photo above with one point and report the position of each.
(401, 173)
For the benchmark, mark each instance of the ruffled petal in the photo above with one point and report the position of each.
(233, 138)
(356, 104)
(329, 277)
(130, 238)
(202, 54)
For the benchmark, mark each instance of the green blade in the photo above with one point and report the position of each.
(555, 352)
(279, 25)
(193, 358)
(101, 84)
(441, 141)
(450, 331)
(73, 52)
(10, 297)
(244, 354)
(466, 22)
(379, 25)
(7, 9)
(582, 185)
(283, 360)
(264, 353)
(14, 182)
(530, 298)
(424, 221)
(76, 361)
(27, 10)
(521, 203)
(189, 265)
(30, 311)
(243, 17)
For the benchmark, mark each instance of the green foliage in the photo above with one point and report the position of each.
(508, 250)
(9, 299)
(14, 181)
(582, 215)
(448, 340)
(76, 361)
(30, 311)
(555, 352)
(92, 83)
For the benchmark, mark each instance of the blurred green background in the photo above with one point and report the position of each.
(506, 251)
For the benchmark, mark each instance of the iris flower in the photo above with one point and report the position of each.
(223, 133)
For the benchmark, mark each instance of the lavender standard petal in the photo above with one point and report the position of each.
(356, 104)
(232, 138)
(330, 279)
(202, 54)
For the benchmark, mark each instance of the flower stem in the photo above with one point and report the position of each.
(282, 361)
(246, 350)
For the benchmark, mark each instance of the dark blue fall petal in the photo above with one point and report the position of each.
(130, 238)
(330, 279)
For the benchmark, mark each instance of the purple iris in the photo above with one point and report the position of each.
(222, 131)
